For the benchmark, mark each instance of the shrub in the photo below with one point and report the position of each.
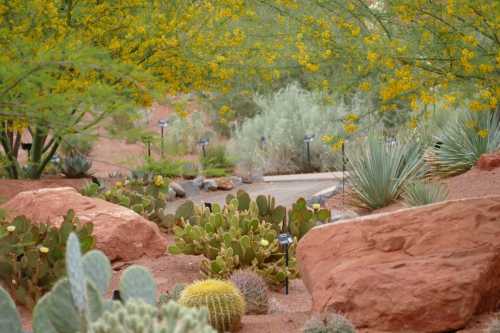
(216, 157)
(378, 170)
(462, 142)
(419, 193)
(77, 144)
(183, 134)
(91, 189)
(32, 255)
(223, 300)
(166, 167)
(494, 326)
(330, 323)
(76, 166)
(285, 118)
(254, 290)
(214, 172)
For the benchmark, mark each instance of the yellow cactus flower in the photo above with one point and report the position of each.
(44, 249)
(11, 228)
(483, 133)
(159, 181)
(264, 242)
(118, 184)
(316, 206)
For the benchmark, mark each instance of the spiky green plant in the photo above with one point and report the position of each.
(419, 193)
(462, 142)
(76, 166)
(139, 317)
(254, 289)
(225, 304)
(174, 294)
(378, 170)
(330, 323)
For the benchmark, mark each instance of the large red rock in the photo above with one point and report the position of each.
(489, 161)
(423, 269)
(120, 233)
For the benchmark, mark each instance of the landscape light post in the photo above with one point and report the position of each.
(27, 147)
(204, 143)
(308, 138)
(163, 124)
(285, 239)
(262, 142)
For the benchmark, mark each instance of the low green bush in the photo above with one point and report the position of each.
(32, 255)
(76, 166)
(329, 323)
(419, 193)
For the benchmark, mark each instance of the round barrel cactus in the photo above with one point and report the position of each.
(254, 289)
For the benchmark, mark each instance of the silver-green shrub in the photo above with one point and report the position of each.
(419, 193)
(329, 323)
(284, 119)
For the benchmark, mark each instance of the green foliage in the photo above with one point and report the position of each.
(378, 170)
(165, 167)
(145, 194)
(32, 255)
(301, 219)
(190, 170)
(173, 295)
(90, 189)
(232, 237)
(224, 303)
(215, 172)
(462, 142)
(139, 317)
(285, 118)
(254, 290)
(216, 157)
(77, 144)
(76, 166)
(330, 323)
(419, 193)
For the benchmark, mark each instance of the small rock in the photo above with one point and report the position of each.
(224, 184)
(179, 191)
(237, 181)
(337, 215)
(489, 161)
(190, 188)
(323, 196)
(198, 181)
(171, 194)
(210, 185)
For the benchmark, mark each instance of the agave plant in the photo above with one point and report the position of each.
(378, 170)
(419, 193)
(462, 142)
(76, 166)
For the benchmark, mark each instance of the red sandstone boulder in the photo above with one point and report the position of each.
(489, 161)
(120, 233)
(224, 184)
(423, 269)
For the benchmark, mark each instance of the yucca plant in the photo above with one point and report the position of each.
(76, 166)
(378, 170)
(419, 193)
(462, 143)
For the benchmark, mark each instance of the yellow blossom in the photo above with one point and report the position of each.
(44, 249)
(159, 181)
(11, 228)
(264, 242)
(483, 133)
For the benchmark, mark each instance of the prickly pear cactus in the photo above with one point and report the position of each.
(138, 317)
(329, 323)
(9, 317)
(225, 304)
(254, 289)
(138, 283)
(302, 219)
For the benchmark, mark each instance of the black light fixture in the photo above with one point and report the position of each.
(204, 143)
(147, 140)
(263, 141)
(285, 239)
(208, 205)
(117, 296)
(308, 138)
(55, 159)
(27, 147)
(162, 123)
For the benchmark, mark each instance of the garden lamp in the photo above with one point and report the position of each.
(162, 123)
(27, 147)
(285, 239)
(204, 143)
(308, 138)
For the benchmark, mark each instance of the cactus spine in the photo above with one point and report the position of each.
(225, 304)
(254, 289)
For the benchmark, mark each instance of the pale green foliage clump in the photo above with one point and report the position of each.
(462, 142)
(139, 317)
(330, 323)
(378, 170)
(419, 193)
(284, 119)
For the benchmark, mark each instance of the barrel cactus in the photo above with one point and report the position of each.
(136, 316)
(329, 323)
(225, 304)
(254, 289)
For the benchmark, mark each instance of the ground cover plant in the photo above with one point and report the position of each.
(242, 234)
(32, 255)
